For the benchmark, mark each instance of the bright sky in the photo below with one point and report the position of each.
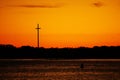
(64, 23)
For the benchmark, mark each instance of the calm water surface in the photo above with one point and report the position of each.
(28, 69)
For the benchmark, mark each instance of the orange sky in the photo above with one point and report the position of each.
(64, 23)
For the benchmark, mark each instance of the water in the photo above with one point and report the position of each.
(28, 69)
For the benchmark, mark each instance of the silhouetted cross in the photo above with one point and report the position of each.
(38, 35)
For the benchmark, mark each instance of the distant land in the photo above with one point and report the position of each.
(27, 52)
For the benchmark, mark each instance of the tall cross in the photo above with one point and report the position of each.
(38, 35)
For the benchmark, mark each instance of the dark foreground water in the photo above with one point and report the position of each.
(93, 69)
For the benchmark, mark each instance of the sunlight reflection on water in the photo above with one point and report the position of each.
(28, 69)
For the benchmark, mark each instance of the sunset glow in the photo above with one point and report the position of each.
(64, 23)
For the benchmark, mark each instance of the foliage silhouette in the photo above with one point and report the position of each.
(27, 52)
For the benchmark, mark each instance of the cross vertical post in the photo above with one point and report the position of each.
(38, 28)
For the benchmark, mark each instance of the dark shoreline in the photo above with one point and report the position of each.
(28, 52)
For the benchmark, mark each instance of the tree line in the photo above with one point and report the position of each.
(28, 52)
